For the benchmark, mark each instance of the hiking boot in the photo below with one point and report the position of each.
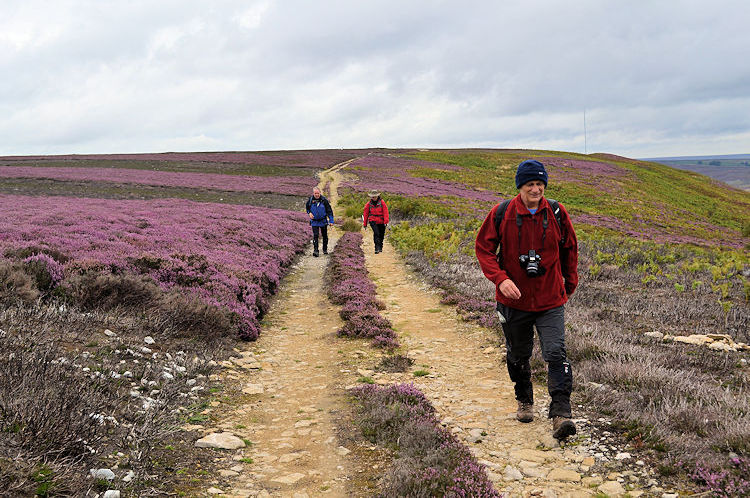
(316, 254)
(562, 427)
(325, 251)
(525, 412)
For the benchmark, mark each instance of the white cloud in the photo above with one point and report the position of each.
(252, 17)
(101, 76)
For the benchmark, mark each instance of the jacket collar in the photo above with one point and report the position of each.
(522, 209)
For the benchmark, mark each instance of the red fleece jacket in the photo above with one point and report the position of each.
(561, 262)
(377, 212)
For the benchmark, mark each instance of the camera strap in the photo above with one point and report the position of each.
(519, 223)
(503, 206)
(500, 215)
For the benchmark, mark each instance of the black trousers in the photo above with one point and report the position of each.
(519, 339)
(320, 230)
(378, 234)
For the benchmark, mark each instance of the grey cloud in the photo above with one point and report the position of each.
(284, 74)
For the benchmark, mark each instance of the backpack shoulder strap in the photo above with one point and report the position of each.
(499, 215)
(558, 216)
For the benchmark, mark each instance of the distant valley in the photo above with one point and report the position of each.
(731, 169)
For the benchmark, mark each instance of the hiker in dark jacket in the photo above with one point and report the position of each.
(321, 215)
(376, 214)
(531, 291)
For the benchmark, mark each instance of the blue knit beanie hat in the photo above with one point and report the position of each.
(530, 170)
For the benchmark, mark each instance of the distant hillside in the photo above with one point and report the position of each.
(645, 200)
(603, 192)
(731, 169)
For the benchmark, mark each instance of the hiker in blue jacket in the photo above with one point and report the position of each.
(321, 215)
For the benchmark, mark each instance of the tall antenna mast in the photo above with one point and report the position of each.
(585, 145)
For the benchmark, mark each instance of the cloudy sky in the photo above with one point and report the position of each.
(655, 78)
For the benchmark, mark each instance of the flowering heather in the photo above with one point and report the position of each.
(392, 174)
(732, 482)
(227, 256)
(580, 168)
(430, 461)
(604, 177)
(642, 228)
(48, 272)
(292, 185)
(348, 285)
(318, 159)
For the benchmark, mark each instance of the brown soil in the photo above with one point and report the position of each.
(297, 449)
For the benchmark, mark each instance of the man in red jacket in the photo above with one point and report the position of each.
(534, 273)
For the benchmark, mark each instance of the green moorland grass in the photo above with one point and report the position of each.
(352, 203)
(651, 197)
(443, 240)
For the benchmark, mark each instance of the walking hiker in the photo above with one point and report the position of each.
(534, 272)
(321, 215)
(376, 214)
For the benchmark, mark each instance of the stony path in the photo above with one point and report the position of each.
(293, 394)
(469, 386)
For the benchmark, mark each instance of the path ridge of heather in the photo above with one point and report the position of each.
(296, 373)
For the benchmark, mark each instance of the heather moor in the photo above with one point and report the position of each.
(154, 301)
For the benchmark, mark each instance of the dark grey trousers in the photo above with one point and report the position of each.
(324, 232)
(519, 339)
(378, 234)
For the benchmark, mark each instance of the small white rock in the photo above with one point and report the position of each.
(102, 474)
(253, 389)
(512, 474)
(149, 340)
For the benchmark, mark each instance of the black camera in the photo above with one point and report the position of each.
(531, 263)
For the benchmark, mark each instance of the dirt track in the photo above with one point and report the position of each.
(292, 423)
